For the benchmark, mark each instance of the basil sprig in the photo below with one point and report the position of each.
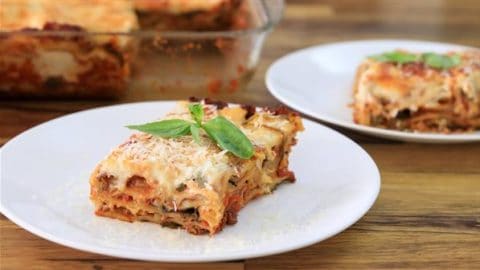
(196, 110)
(433, 60)
(171, 128)
(395, 57)
(441, 61)
(227, 136)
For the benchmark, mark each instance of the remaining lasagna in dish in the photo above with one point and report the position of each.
(419, 92)
(192, 15)
(46, 49)
(191, 182)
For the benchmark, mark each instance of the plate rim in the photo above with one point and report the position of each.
(244, 254)
(373, 131)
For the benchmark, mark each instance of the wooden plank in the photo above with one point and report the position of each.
(358, 249)
(23, 250)
(113, 264)
(434, 158)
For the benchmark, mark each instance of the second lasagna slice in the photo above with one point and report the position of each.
(197, 186)
(419, 92)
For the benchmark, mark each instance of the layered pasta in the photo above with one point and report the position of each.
(178, 182)
(417, 97)
(46, 51)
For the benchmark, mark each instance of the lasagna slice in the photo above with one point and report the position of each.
(424, 93)
(194, 15)
(47, 49)
(177, 182)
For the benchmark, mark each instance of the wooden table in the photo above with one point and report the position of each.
(428, 212)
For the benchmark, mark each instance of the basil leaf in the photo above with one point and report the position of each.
(195, 130)
(441, 61)
(167, 128)
(196, 110)
(229, 137)
(395, 57)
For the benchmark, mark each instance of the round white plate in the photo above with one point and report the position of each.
(45, 189)
(318, 81)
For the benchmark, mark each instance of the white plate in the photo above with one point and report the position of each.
(44, 189)
(318, 81)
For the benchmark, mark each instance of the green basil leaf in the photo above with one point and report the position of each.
(229, 137)
(441, 61)
(196, 110)
(395, 57)
(380, 58)
(195, 130)
(167, 128)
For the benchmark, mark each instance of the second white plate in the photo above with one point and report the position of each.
(318, 81)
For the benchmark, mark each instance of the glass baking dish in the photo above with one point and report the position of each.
(145, 63)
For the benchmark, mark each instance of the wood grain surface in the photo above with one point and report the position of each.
(428, 213)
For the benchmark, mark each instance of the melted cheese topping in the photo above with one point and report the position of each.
(178, 6)
(65, 65)
(469, 75)
(168, 163)
(92, 15)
